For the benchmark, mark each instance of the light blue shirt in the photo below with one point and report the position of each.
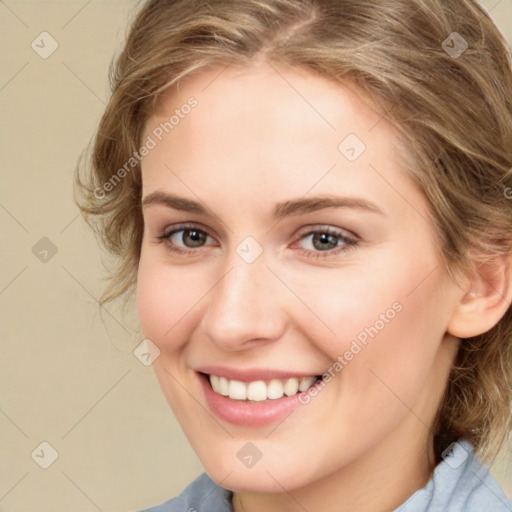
(460, 483)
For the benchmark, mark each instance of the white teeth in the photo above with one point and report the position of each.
(214, 381)
(223, 386)
(306, 382)
(259, 390)
(291, 387)
(237, 390)
(275, 389)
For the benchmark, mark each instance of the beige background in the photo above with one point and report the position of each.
(68, 376)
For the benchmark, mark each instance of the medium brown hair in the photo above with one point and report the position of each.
(452, 110)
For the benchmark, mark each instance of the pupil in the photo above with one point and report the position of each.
(196, 237)
(325, 238)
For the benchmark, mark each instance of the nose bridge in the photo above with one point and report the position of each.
(244, 305)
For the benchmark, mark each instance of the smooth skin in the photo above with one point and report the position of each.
(262, 135)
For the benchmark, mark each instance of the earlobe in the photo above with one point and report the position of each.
(488, 295)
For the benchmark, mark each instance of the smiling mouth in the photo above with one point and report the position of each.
(260, 390)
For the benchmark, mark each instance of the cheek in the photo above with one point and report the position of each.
(165, 300)
(390, 317)
(345, 304)
(399, 361)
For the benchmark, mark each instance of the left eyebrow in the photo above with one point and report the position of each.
(307, 205)
(284, 209)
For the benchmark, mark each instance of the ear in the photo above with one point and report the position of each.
(486, 298)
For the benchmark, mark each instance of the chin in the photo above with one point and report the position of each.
(270, 474)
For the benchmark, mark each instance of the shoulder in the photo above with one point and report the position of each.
(202, 494)
(460, 483)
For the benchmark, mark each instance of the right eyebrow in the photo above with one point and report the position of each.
(176, 202)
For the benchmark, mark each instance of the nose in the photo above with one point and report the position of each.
(246, 307)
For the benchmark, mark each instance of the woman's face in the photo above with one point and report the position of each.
(283, 241)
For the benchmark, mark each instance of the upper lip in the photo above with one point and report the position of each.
(251, 374)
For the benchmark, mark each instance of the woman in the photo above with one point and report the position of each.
(311, 198)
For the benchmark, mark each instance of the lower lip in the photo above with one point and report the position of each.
(249, 414)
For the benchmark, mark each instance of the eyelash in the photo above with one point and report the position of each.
(349, 242)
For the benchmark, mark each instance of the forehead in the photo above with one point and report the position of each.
(272, 129)
(267, 95)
